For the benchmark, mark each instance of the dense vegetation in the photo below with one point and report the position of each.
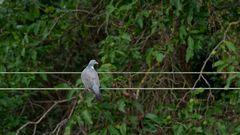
(124, 36)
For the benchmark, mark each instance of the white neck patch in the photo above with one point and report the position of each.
(92, 67)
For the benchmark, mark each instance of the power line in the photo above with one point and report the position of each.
(7, 89)
(122, 72)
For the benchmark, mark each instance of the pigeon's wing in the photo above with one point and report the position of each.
(96, 85)
(95, 78)
(90, 78)
(85, 79)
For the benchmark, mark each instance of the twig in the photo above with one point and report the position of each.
(54, 24)
(34, 130)
(212, 52)
(210, 92)
(23, 109)
(205, 80)
(42, 117)
(47, 34)
(63, 80)
(183, 98)
(77, 10)
(142, 82)
(64, 121)
(205, 62)
(59, 125)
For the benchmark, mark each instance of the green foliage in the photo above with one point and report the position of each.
(189, 53)
(168, 35)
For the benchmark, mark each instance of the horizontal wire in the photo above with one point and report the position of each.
(122, 72)
(5, 89)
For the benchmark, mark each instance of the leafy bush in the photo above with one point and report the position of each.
(146, 36)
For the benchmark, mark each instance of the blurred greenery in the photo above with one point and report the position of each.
(124, 36)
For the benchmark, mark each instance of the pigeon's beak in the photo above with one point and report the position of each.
(96, 62)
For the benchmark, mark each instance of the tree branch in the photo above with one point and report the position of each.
(42, 117)
(212, 52)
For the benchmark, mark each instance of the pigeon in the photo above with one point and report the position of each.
(90, 79)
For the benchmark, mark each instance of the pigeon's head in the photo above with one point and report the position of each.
(92, 63)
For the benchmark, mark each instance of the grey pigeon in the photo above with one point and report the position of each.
(90, 79)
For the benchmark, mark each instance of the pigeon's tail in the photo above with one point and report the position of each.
(98, 97)
(96, 91)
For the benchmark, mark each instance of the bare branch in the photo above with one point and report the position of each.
(59, 125)
(64, 121)
(212, 52)
(42, 117)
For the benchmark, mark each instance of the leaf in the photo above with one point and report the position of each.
(121, 105)
(149, 56)
(182, 32)
(67, 130)
(78, 82)
(110, 8)
(44, 77)
(113, 131)
(135, 54)
(125, 7)
(2, 68)
(237, 129)
(62, 85)
(230, 46)
(89, 100)
(159, 56)
(198, 91)
(123, 129)
(79, 120)
(71, 93)
(179, 6)
(25, 39)
(189, 19)
(145, 13)
(178, 130)
(189, 53)
(49, 9)
(1, 1)
(222, 128)
(126, 36)
(153, 117)
(107, 67)
(218, 63)
(94, 133)
(139, 107)
(34, 56)
(120, 52)
(87, 117)
(36, 27)
(140, 21)
(23, 52)
(238, 83)
(194, 31)
(104, 132)
(229, 80)
(154, 26)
